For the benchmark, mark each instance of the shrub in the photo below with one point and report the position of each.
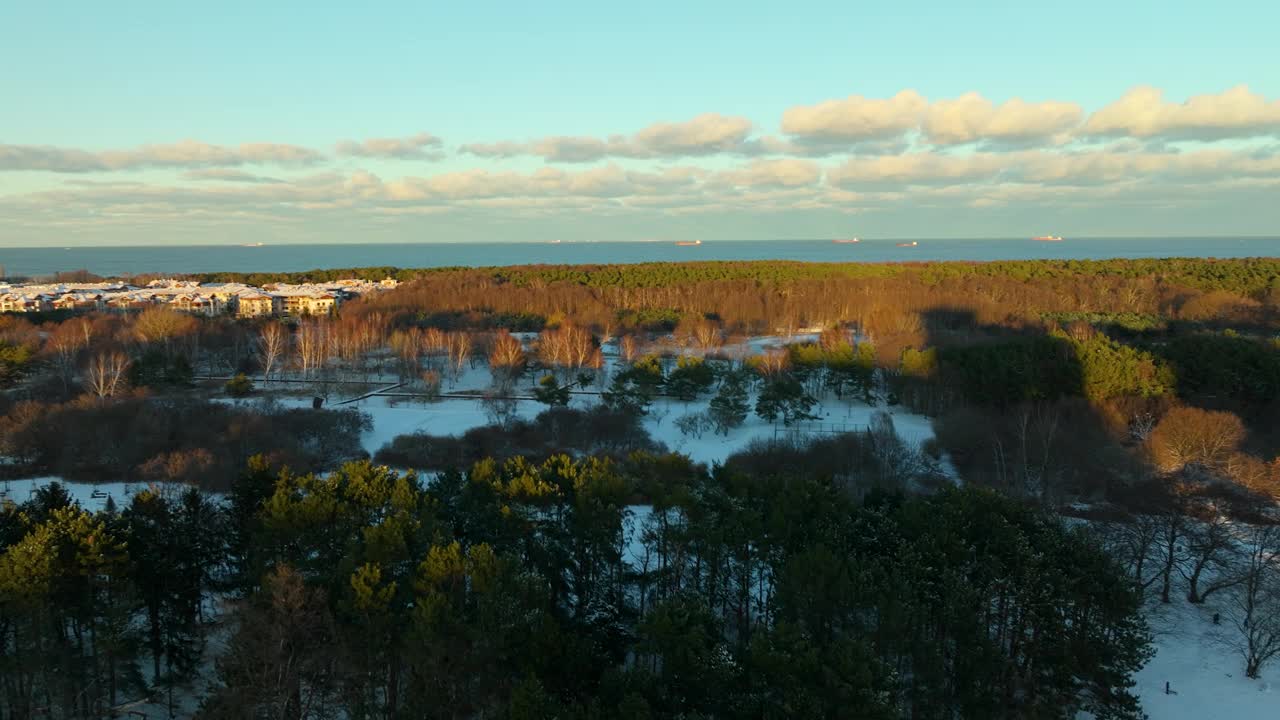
(1187, 435)
(597, 431)
(693, 424)
(549, 392)
(239, 386)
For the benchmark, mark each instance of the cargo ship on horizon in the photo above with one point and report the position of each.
(846, 241)
(688, 243)
(1047, 238)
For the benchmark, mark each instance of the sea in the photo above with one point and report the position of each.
(130, 260)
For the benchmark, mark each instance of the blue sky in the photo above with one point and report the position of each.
(145, 122)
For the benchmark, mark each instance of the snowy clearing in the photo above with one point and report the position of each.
(1204, 673)
(91, 496)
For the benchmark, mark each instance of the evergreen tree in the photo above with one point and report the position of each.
(634, 388)
(729, 408)
(783, 398)
(248, 493)
(691, 377)
(550, 392)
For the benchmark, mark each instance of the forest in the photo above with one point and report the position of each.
(1104, 447)
(532, 591)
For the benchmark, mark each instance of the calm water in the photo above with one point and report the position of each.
(270, 258)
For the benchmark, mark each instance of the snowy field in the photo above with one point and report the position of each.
(91, 496)
(401, 415)
(454, 416)
(1207, 675)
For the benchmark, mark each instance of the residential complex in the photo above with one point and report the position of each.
(279, 299)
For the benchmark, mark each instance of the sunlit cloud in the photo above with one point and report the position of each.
(228, 175)
(423, 146)
(183, 154)
(849, 155)
(856, 118)
(784, 172)
(972, 118)
(1143, 112)
(705, 134)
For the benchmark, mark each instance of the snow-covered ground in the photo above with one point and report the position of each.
(392, 417)
(1194, 656)
(712, 448)
(19, 491)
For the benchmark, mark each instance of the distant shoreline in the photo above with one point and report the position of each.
(416, 243)
(124, 261)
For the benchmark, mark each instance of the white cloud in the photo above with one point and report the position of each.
(918, 168)
(703, 135)
(856, 118)
(971, 118)
(706, 134)
(965, 152)
(1092, 167)
(1143, 112)
(227, 175)
(183, 154)
(423, 146)
(783, 172)
(558, 148)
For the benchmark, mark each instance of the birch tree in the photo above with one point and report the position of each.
(105, 375)
(273, 342)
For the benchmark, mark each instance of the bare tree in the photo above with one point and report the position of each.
(568, 347)
(65, 344)
(1254, 609)
(1258, 477)
(500, 409)
(311, 345)
(279, 663)
(607, 330)
(628, 348)
(407, 345)
(105, 374)
(835, 338)
(1188, 435)
(708, 334)
(1132, 543)
(1169, 548)
(273, 341)
(899, 464)
(431, 384)
(1141, 426)
(1210, 547)
(772, 361)
(162, 326)
(434, 346)
(459, 352)
(1037, 428)
(506, 358)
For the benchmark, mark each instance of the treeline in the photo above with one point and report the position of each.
(534, 590)
(190, 441)
(598, 431)
(1071, 414)
(108, 609)
(1246, 276)
(971, 344)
